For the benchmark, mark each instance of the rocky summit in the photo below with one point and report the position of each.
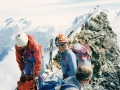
(102, 41)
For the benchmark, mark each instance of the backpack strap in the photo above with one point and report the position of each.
(66, 61)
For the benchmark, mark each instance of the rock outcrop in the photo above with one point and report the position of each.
(102, 41)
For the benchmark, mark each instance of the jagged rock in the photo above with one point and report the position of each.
(102, 41)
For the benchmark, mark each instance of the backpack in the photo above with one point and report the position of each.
(26, 83)
(82, 53)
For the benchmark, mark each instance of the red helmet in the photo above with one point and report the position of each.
(61, 38)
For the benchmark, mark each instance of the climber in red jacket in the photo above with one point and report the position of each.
(28, 55)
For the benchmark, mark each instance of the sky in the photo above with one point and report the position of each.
(45, 8)
(51, 17)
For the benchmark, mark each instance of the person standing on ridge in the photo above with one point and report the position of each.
(28, 55)
(83, 27)
(68, 58)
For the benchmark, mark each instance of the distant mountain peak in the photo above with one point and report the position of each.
(9, 19)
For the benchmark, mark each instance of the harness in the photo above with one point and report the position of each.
(28, 60)
(28, 54)
(66, 60)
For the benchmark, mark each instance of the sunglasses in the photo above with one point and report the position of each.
(60, 44)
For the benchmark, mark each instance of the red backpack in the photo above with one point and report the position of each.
(26, 83)
(82, 53)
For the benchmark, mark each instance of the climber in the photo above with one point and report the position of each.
(68, 58)
(82, 27)
(28, 56)
(83, 76)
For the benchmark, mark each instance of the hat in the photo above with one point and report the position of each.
(21, 39)
(60, 38)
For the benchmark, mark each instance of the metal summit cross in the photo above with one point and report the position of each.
(50, 49)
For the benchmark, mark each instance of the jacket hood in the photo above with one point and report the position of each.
(72, 81)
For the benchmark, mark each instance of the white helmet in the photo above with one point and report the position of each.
(21, 39)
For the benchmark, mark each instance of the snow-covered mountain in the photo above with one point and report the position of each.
(43, 31)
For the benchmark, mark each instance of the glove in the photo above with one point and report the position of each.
(22, 78)
(35, 79)
(22, 73)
